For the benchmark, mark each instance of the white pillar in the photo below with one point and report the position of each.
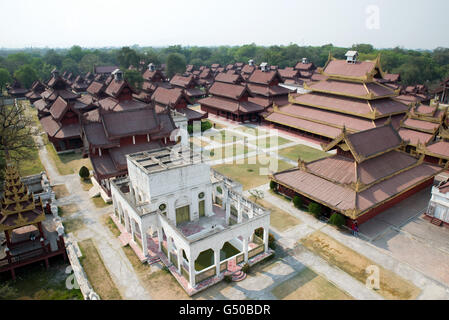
(144, 239)
(245, 248)
(133, 227)
(192, 271)
(239, 211)
(179, 254)
(159, 238)
(126, 221)
(169, 248)
(265, 238)
(217, 261)
(228, 211)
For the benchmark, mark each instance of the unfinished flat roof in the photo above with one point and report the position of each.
(164, 159)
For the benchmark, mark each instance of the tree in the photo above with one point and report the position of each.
(75, 53)
(337, 219)
(273, 185)
(70, 65)
(176, 63)
(53, 58)
(297, 202)
(315, 209)
(134, 78)
(16, 135)
(5, 78)
(26, 75)
(84, 172)
(127, 57)
(88, 62)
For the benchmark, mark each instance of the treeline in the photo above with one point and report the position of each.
(416, 67)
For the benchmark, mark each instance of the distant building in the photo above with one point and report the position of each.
(438, 208)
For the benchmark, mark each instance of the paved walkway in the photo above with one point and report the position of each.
(109, 247)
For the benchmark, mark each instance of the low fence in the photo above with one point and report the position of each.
(205, 274)
(255, 251)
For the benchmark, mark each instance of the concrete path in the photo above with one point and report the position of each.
(109, 247)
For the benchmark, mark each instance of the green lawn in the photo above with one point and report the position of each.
(67, 163)
(99, 202)
(304, 152)
(253, 131)
(96, 271)
(34, 282)
(111, 225)
(223, 136)
(248, 173)
(279, 219)
(227, 151)
(268, 142)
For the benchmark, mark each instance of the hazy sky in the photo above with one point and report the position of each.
(94, 23)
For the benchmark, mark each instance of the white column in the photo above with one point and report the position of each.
(159, 238)
(239, 211)
(245, 248)
(192, 270)
(169, 247)
(217, 261)
(179, 254)
(126, 221)
(228, 211)
(265, 238)
(133, 227)
(144, 239)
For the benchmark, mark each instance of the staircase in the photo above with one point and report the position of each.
(238, 276)
(436, 222)
(153, 260)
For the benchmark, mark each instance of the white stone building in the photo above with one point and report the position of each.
(438, 209)
(176, 207)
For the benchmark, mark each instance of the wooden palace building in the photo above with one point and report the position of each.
(349, 97)
(369, 174)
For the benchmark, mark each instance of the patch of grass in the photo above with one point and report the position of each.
(253, 131)
(67, 209)
(279, 219)
(107, 220)
(159, 284)
(60, 191)
(304, 152)
(73, 224)
(247, 171)
(392, 286)
(86, 184)
(226, 151)
(31, 165)
(96, 272)
(269, 142)
(223, 136)
(199, 142)
(307, 285)
(99, 202)
(217, 125)
(67, 163)
(34, 282)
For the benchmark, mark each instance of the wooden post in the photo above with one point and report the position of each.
(39, 226)
(8, 238)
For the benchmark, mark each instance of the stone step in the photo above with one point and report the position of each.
(94, 191)
(238, 276)
(153, 260)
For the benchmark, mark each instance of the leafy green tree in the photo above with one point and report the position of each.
(70, 65)
(84, 172)
(75, 53)
(127, 57)
(315, 209)
(297, 202)
(176, 63)
(51, 57)
(88, 62)
(273, 185)
(134, 78)
(337, 219)
(363, 47)
(26, 75)
(5, 78)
